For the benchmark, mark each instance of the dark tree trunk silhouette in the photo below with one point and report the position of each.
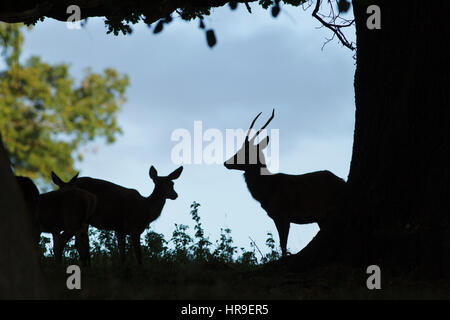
(398, 211)
(401, 154)
(20, 274)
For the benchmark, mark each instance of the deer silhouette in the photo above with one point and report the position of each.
(31, 195)
(64, 213)
(299, 199)
(124, 210)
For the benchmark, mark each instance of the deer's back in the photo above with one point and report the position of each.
(114, 202)
(305, 198)
(64, 209)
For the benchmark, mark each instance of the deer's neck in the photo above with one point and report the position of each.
(155, 203)
(258, 183)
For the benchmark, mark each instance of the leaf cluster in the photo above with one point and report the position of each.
(181, 249)
(46, 116)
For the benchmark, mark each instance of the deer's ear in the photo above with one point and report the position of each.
(74, 178)
(174, 175)
(56, 180)
(153, 173)
(263, 144)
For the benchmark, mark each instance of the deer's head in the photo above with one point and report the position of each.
(250, 155)
(164, 185)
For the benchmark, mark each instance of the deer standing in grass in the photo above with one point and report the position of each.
(286, 198)
(124, 210)
(67, 210)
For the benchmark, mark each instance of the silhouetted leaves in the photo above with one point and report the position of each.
(168, 19)
(248, 7)
(155, 245)
(201, 24)
(225, 249)
(181, 249)
(127, 13)
(274, 254)
(201, 246)
(343, 5)
(275, 10)
(211, 38)
(265, 3)
(159, 27)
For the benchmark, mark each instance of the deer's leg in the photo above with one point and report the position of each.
(82, 245)
(60, 243)
(57, 246)
(121, 243)
(283, 226)
(85, 241)
(136, 242)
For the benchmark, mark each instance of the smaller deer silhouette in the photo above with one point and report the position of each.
(124, 210)
(286, 198)
(67, 210)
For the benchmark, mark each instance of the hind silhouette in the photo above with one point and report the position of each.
(124, 210)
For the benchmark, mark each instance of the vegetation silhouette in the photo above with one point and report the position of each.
(124, 210)
(188, 264)
(306, 198)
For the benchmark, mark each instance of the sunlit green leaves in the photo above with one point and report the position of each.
(45, 116)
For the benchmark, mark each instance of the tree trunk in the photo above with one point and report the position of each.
(398, 211)
(20, 273)
(400, 170)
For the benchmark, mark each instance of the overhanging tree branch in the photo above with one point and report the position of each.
(120, 15)
(336, 28)
(34, 10)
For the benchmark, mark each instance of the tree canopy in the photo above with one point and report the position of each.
(45, 115)
(121, 15)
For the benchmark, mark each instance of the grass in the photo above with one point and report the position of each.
(186, 267)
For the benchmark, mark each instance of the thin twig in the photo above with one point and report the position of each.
(248, 7)
(256, 246)
(333, 27)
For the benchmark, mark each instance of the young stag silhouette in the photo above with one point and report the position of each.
(286, 198)
(124, 210)
(67, 210)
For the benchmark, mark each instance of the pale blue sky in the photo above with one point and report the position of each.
(259, 63)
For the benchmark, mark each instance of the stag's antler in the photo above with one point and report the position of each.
(251, 126)
(263, 127)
